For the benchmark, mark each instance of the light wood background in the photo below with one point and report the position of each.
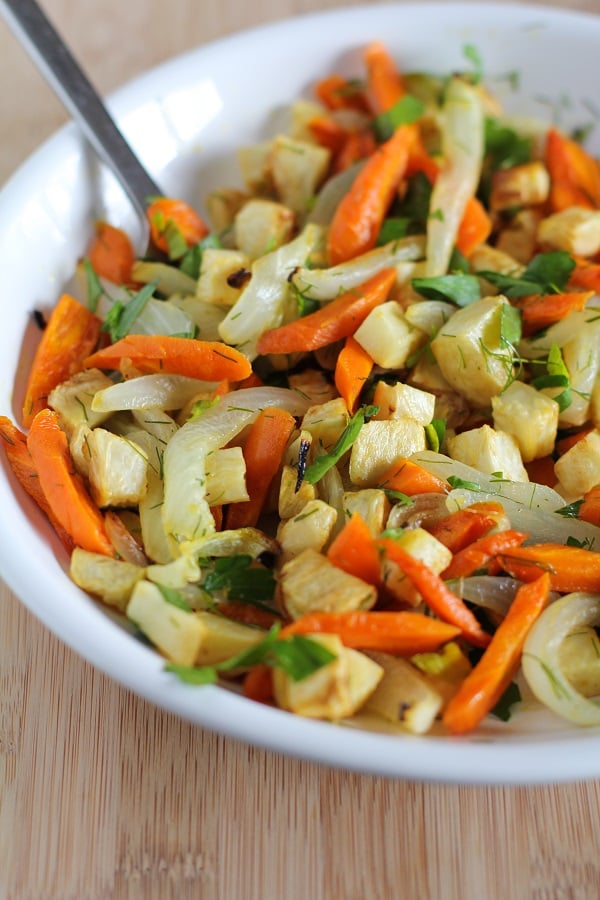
(104, 796)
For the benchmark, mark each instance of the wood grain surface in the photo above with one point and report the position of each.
(104, 796)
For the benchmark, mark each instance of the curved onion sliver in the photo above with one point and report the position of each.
(185, 513)
(327, 284)
(494, 592)
(541, 657)
(531, 507)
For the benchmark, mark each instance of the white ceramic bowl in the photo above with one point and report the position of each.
(184, 119)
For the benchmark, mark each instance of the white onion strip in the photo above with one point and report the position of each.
(541, 657)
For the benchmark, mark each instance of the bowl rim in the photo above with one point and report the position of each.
(485, 761)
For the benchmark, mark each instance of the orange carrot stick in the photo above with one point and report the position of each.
(258, 683)
(436, 594)
(570, 568)
(357, 220)
(384, 82)
(328, 133)
(484, 685)
(166, 213)
(253, 380)
(565, 443)
(541, 310)
(461, 528)
(475, 227)
(408, 477)
(336, 92)
(574, 174)
(352, 368)
(247, 614)
(401, 633)
(207, 360)
(478, 554)
(21, 463)
(589, 510)
(69, 337)
(263, 451)
(353, 550)
(63, 487)
(541, 471)
(111, 254)
(585, 275)
(357, 145)
(332, 322)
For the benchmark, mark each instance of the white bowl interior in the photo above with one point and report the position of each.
(185, 120)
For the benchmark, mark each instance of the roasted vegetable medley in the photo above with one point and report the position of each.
(335, 441)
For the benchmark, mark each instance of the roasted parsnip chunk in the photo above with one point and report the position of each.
(334, 691)
(311, 583)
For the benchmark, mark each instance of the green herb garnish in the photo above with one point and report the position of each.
(459, 289)
(406, 111)
(298, 656)
(239, 578)
(191, 261)
(471, 53)
(174, 597)
(510, 325)
(122, 316)
(455, 482)
(557, 377)
(435, 433)
(571, 511)
(93, 286)
(323, 463)
(547, 273)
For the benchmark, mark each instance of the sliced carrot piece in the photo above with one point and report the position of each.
(408, 477)
(22, 465)
(332, 322)
(589, 510)
(384, 82)
(263, 452)
(357, 220)
(585, 275)
(352, 368)
(570, 568)
(63, 487)
(207, 360)
(484, 685)
(357, 145)
(574, 174)
(541, 471)
(166, 213)
(328, 133)
(247, 614)
(253, 380)
(461, 528)
(478, 554)
(541, 310)
(419, 160)
(353, 550)
(475, 227)
(436, 594)
(111, 254)
(569, 440)
(258, 684)
(70, 336)
(337, 92)
(401, 633)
